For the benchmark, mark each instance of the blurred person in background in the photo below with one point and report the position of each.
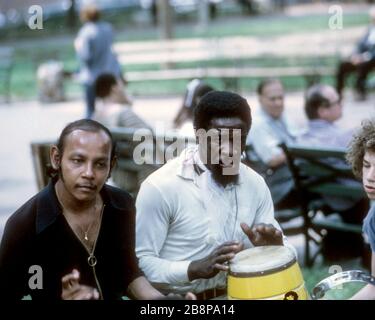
(270, 128)
(93, 47)
(115, 106)
(361, 62)
(195, 90)
(323, 109)
(114, 109)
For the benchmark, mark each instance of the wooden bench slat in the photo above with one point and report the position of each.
(336, 189)
(246, 72)
(337, 225)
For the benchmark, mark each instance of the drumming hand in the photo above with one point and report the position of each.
(73, 290)
(217, 261)
(263, 234)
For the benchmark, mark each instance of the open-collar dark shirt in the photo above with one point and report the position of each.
(38, 234)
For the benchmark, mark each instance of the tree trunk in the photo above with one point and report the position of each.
(204, 14)
(165, 19)
(71, 17)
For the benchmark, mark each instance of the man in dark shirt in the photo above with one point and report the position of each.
(74, 239)
(361, 62)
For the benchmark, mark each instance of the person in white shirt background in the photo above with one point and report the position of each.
(271, 127)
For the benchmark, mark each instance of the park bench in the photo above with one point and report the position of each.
(320, 172)
(128, 174)
(167, 60)
(231, 76)
(6, 66)
(40, 153)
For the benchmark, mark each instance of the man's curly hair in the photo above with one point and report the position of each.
(363, 140)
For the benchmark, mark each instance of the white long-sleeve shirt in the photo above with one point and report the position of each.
(183, 216)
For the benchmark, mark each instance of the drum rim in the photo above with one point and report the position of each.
(262, 273)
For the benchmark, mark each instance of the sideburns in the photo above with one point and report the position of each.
(60, 173)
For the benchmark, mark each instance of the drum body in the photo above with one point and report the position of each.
(269, 272)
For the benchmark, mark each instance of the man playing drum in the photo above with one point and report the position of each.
(200, 209)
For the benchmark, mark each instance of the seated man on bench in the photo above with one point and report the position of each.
(270, 128)
(323, 108)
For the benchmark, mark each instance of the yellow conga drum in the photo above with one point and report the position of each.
(269, 273)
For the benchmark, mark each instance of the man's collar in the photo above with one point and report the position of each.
(267, 116)
(191, 166)
(49, 209)
(186, 163)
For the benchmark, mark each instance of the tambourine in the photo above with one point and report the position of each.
(337, 279)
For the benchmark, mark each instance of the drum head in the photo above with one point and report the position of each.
(262, 259)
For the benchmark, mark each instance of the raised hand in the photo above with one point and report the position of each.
(263, 234)
(73, 290)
